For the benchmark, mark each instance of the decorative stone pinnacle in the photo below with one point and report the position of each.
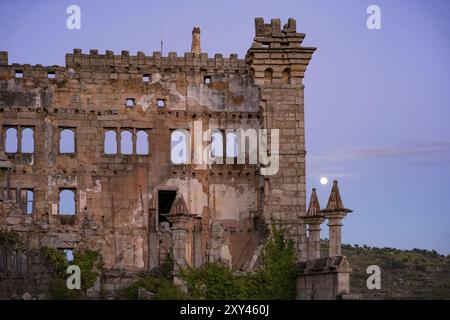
(335, 202)
(314, 206)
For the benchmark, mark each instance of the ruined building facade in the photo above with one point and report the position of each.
(87, 156)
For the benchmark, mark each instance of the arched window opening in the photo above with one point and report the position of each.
(27, 141)
(232, 145)
(142, 142)
(217, 144)
(286, 76)
(66, 202)
(11, 140)
(110, 142)
(126, 142)
(178, 147)
(268, 74)
(67, 141)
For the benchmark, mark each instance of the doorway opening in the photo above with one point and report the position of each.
(165, 200)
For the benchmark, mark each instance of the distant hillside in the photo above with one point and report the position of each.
(405, 274)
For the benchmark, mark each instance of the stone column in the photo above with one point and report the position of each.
(334, 225)
(195, 47)
(335, 212)
(182, 226)
(314, 237)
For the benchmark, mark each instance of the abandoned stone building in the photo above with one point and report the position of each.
(100, 153)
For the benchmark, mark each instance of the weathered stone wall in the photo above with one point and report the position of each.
(117, 195)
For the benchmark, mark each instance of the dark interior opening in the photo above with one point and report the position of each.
(165, 200)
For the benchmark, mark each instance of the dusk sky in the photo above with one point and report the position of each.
(377, 102)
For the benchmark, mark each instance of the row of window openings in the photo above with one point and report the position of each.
(285, 76)
(131, 102)
(179, 143)
(19, 74)
(126, 145)
(26, 138)
(179, 146)
(25, 199)
(146, 78)
(67, 141)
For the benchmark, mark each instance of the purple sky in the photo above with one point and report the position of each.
(376, 102)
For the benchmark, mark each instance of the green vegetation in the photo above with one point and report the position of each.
(10, 239)
(405, 274)
(164, 289)
(91, 265)
(275, 280)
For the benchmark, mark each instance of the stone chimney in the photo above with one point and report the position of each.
(335, 212)
(314, 219)
(195, 48)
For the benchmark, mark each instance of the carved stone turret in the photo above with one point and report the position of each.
(182, 233)
(313, 219)
(335, 212)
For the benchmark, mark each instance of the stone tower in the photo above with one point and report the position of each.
(279, 63)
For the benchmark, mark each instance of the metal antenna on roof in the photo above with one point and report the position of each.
(161, 37)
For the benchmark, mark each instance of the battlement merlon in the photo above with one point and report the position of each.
(3, 58)
(271, 35)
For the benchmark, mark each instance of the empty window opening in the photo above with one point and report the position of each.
(66, 202)
(27, 198)
(67, 141)
(18, 74)
(165, 201)
(141, 142)
(146, 78)
(11, 140)
(69, 254)
(178, 147)
(110, 142)
(286, 76)
(217, 144)
(27, 141)
(207, 79)
(51, 75)
(268, 74)
(161, 103)
(130, 102)
(30, 201)
(126, 142)
(232, 145)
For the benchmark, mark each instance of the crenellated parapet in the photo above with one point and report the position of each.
(276, 55)
(141, 62)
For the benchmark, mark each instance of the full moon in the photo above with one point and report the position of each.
(323, 180)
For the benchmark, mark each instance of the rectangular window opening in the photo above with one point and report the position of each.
(130, 102)
(161, 103)
(165, 201)
(207, 79)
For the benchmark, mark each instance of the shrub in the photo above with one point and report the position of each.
(90, 263)
(163, 288)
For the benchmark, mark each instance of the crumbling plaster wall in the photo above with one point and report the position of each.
(116, 198)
